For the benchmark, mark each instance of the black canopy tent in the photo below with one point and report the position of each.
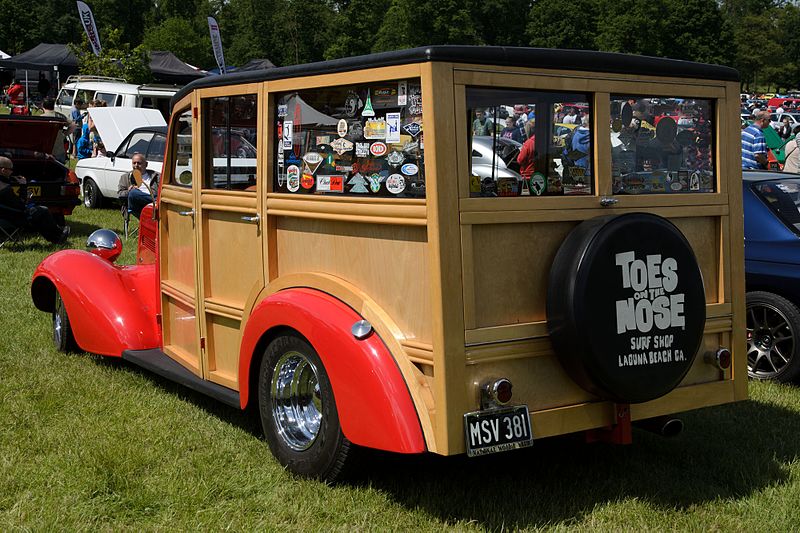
(257, 64)
(165, 66)
(44, 57)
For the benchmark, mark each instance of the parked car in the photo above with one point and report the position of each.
(776, 119)
(124, 132)
(116, 92)
(505, 157)
(772, 273)
(30, 142)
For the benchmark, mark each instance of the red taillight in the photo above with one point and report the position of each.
(721, 359)
(496, 392)
(72, 177)
(72, 189)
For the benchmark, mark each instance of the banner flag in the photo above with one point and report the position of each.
(216, 44)
(87, 21)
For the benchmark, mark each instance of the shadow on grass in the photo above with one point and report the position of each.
(724, 452)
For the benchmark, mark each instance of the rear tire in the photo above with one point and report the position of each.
(773, 337)
(62, 329)
(92, 197)
(298, 410)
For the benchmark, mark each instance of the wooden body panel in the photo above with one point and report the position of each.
(455, 286)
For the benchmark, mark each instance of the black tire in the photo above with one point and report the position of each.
(92, 197)
(773, 337)
(62, 329)
(298, 410)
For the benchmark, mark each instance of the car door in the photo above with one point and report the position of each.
(137, 142)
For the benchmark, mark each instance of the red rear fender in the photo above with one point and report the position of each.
(110, 308)
(373, 402)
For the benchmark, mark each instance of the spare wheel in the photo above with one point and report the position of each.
(626, 306)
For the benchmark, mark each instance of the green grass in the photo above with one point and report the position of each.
(88, 443)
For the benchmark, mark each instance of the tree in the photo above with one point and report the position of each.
(116, 59)
(183, 38)
(557, 24)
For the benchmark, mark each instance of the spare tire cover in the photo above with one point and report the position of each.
(626, 306)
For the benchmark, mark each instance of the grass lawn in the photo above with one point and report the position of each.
(88, 443)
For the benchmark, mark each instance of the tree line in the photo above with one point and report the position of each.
(760, 38)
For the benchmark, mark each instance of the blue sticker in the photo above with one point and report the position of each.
(413, 128)
(409, 169)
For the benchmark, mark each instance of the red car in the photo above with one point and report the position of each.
(31, 143)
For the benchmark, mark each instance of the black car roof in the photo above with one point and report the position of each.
(156, 129)
(581, 60)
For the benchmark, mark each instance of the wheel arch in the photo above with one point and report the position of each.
(380, 403)
(111, 308)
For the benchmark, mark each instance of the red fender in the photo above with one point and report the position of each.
(374, 406)
(110, 308)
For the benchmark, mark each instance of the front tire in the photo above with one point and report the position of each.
(298, 410)
(92, 197)
(773, 337)
(62, 329)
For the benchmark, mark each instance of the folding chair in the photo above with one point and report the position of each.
(9, 232)
(126, 221)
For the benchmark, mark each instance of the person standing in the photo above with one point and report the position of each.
(481, 125)
(754, 147)
(16, 93)
(792, 163)
(785, 131)
(43, 87)
(76, 129)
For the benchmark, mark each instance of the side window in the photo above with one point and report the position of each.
(181, 140)
(662, 145)
(109, 98)
(140, 142)
(355, 140)
(230, 138)
(84, 95)
(156, 151)
(529, 143)
(65, 97)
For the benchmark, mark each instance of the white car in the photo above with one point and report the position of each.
(776, 119)
(115, 92)
(124, 131)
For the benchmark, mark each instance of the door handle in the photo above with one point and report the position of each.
(607, 201)
(189, 213)
(256, 219)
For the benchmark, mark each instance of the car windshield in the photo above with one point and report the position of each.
(783, 198)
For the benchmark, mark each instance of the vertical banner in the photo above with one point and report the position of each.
(216, 44)
(87, 21)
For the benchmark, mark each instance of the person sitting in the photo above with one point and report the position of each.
(137, 196)
(14, 210)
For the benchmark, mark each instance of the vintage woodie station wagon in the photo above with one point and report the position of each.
(444, 249)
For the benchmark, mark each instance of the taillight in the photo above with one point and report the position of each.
(496, 392)
(72, 189)
(72, 177)
(720, 359)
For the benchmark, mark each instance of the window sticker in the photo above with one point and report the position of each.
(361, 140)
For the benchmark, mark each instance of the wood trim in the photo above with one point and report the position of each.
(222, 308)
(392, 211)
(516, 217)
(718, 319)
(352, 77)
(468, 276)
(444, 258)
(560, 203)
(176, 195)
(230, 201)
(559, 80)
(418, 352)
(227, 90)
(580, 417)
(603, 185)
(180, 293)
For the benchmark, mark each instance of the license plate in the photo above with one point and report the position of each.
(32, 190)
(497, 430)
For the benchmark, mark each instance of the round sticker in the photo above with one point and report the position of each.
(378, 149)
(395, 184)
(341, 128)
(293, 178)
(409, 169)
(626, 306)
(538, 182)
(307, 181)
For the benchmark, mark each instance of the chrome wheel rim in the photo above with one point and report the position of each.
(58, 326)
(770, 341)
(87, 195)
(296, 400)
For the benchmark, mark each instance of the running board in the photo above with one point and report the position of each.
(159, 363)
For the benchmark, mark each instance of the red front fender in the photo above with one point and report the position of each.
(374, 406)
(111, 308)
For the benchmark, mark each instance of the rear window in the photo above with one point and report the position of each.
(109, 98)
(783, 199)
